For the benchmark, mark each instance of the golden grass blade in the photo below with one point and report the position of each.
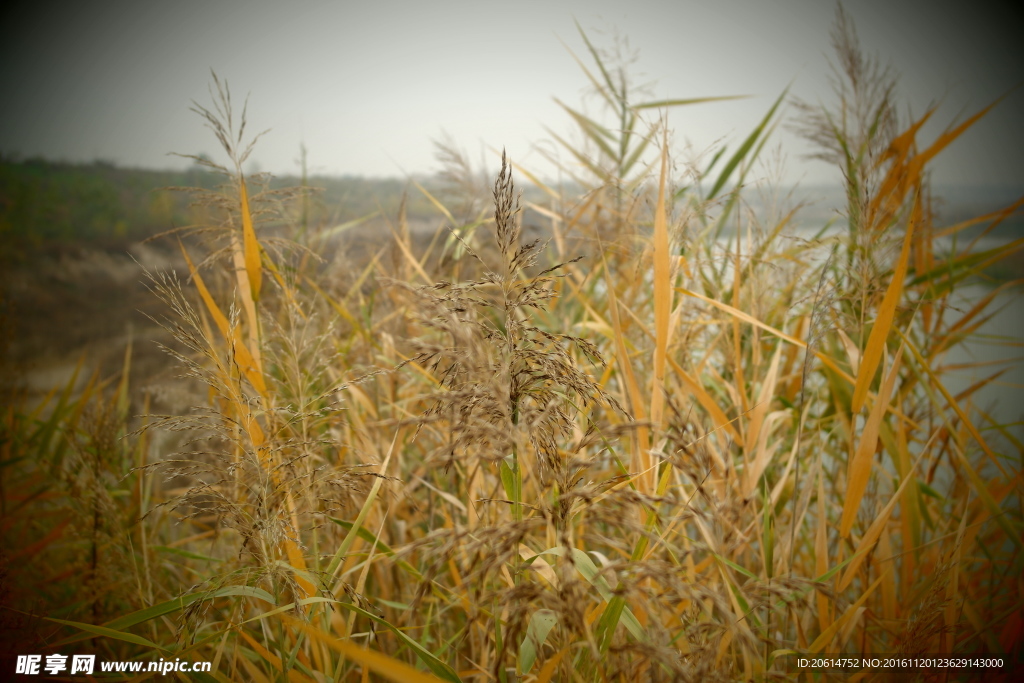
(211, 305)
(389, 668)
(949, 136)
(761, 454)
(333, 303)
(859, 470)
(954, 404)
(760, 409)
(254, 673)
(995, 217)
(867, 543)
(540, 184)
(548, 670)
(979, 307)
(910, 507)
(253, 267)
(244, 358)
(902, 144)
(718, 416)
(361, 581)
(883, 324)
(538, 564)
(885, 553)
(293, 675)
(821, 553)
(298, 562)
(737, 357)
(433, 200)
(852, 352)
(988, 499)
(244, 289)
(953, 587)
(981, 383)
(348, 225)
(641, 457)
(899, 177)
(744, 317)
(662, 294)
(829, 362)
(407, 253)
(826, 636)
(289, 291)
(339, 555)
(997, 255)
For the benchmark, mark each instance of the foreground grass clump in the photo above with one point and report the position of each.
(677, 441)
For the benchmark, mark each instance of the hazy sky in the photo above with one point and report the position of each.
(369, 85)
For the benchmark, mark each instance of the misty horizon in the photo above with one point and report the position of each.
(369, 89)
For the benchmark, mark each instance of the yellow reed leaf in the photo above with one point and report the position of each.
(245, 360)
(965, 421)
(737, 353)
(764, 400)
(826, 636)
(293, 675)
(437, 204)
(826, 360)
(377, 662)
(244, 290)
(821, 553)
(718, 416)
(255, 675)
(539, 565)
(288, 290)
(548, 670)
(211, 305)
(662, 291)
(873, 532)
(641, 456)
(910, 506)
(949, 136)
(253, 267)
(859, 470)
(898, 178)
(333, 303)
(735, 312)
(987, 498)
(403, 244)
(883, 324)
(296, 560)
(950, 613)
(995, 216)
(889, 584)
(852, 352)
(761, 453)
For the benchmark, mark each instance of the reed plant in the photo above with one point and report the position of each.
(675, 440)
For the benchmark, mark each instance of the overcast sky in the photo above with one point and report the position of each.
(368, 85)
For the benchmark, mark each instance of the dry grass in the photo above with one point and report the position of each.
(675, 442)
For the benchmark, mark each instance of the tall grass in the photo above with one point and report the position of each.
(676, 441)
